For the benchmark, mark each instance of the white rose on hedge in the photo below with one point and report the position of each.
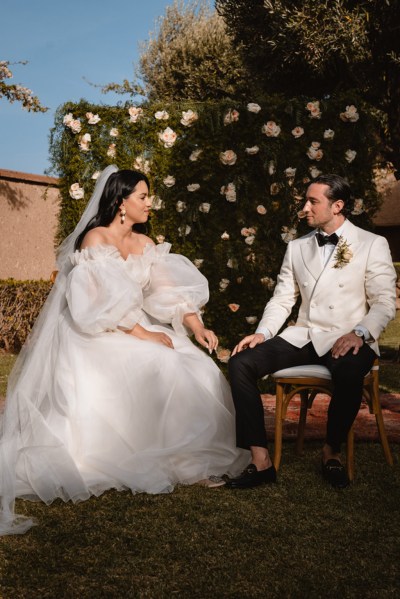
(167, 137)
(189, 117)
(350, 155)
(92, 119)
(253, 150)
(271, 129)
(84, 142)
(68, 118)
(351, 115)
(228, 157)
(156, 203)
(75, 126)
(253, 107)
(251, 319)
(135, 113)
(180, 206)
(297, 132)
(76, 191)
(195, 155)
(112, 150)
(329, 134)
(169, 181)
(184, 230)
(161, 115)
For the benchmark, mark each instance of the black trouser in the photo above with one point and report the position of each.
(246, 367)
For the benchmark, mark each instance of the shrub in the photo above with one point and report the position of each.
(20, 303)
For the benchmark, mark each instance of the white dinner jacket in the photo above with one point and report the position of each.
(333, 300)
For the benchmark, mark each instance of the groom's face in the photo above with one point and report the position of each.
(318, 209)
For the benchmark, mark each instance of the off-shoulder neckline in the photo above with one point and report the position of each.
(146, 248)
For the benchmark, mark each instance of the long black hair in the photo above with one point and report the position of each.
(119, 186)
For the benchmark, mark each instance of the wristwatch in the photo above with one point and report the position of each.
(359, 333)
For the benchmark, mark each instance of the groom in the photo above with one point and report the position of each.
(346, 280)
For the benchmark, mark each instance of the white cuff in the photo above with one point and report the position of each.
(367, 335)
(263, 331)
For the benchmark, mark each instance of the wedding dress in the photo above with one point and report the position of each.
(91, 408)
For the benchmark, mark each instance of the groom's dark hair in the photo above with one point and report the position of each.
(338, 189)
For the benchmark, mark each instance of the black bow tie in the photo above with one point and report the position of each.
(323, 239)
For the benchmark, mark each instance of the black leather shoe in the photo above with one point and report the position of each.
(335, 473)
(251, 477)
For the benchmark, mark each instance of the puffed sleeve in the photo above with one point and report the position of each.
(176, 288)
(100, 295)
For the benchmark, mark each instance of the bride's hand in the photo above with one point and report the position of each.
(154, 336)
(206, 338)
(159, 338)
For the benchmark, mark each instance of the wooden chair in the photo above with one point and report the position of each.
(310, 380)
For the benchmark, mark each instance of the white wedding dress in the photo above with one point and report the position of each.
(96, 408)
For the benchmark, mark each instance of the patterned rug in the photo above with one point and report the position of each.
(365, 426)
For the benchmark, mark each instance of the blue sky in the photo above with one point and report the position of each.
(65, 42)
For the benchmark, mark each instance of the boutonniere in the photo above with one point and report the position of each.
(343, 253)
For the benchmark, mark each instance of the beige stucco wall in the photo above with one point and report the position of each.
(29, 205)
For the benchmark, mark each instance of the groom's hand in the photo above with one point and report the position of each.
(345, 343)
(249, 341)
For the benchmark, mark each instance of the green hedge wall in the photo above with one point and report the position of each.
(228, 181)
(20, 303)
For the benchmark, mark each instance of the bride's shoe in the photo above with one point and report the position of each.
(212, 482)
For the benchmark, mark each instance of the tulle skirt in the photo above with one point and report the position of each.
(123, 413)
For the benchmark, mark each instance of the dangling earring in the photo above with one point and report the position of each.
(122, 213)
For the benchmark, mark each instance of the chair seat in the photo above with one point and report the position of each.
(310, 370)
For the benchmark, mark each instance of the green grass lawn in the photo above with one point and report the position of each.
(296, 539)
(390, 338)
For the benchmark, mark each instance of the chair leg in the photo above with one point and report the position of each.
(383, 437)
(350, 454)
(377, 410)
(278, 425)
(302, 421)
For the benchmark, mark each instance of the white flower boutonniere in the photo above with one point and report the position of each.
(343, 253)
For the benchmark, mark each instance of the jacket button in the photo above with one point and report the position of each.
(305, 284)
(341, 285)
(331, 307)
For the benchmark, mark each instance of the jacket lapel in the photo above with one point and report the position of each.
(311, 257)
(349, 235)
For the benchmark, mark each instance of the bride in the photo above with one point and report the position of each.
(108, 391)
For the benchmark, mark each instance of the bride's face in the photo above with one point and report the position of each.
(138, 204)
